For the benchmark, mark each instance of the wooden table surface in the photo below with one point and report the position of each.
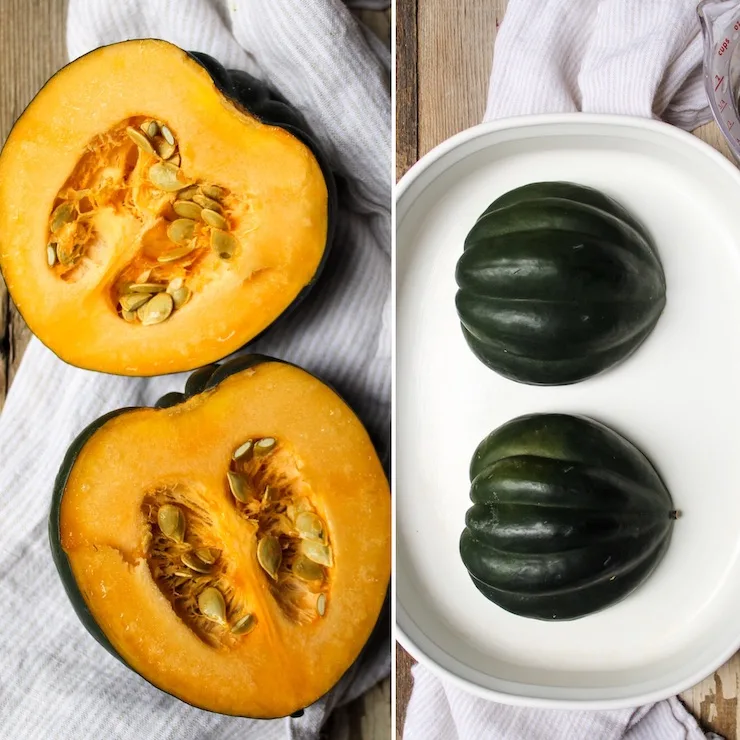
(444, 52)
(32, 48)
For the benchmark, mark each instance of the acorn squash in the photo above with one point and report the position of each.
(158, 212)
(557, 283)
(568, 517)
(231, 546)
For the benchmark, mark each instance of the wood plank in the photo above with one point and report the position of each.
(455, 48)
(407, 109)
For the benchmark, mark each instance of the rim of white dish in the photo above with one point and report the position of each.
(412, 174)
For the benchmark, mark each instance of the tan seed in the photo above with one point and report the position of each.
(321, 604)
(264, 446)
(309, 526)
(243, 451)
(214, 219)
(302, 504)
(129, 316)
(175, 284)
(187, 209)
(182, 574)
(164, 148)
(141, 140)
(156, 310)
(51, 254)
(63, 214)
(213, 191)
(239, 486)
(181, 296)
(245, 625)
(171, 521)
(143, 277)
(150, 128)
(206, 202)
(192, 561)
(267, 496)
(133, 301)
(307, 570)
(181, 231)
(290, 512)
(166, 176)
(212, 605)
(175, 254)
(318, 552)
(223, 243)
(67, 252)
(146, 288)
(175, 159)
(209, 555)
(270, 555)
(169, 138)
(188, 193)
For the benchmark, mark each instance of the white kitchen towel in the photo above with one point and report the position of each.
(56, 683)
(629, 57)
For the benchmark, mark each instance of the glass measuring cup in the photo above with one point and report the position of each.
(720, 25)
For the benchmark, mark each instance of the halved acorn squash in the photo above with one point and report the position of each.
(233, 545)
(158, 212)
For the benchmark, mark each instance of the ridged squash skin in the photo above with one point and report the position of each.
(557, 283)
(568, 517)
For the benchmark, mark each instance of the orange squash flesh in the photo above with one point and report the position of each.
(287, 661)
(71, 145)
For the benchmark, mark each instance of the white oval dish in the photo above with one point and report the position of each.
(676, 398)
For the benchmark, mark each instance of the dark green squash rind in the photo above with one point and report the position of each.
(557, 283)
(566, 515)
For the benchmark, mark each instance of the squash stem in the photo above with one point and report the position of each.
(674, 514)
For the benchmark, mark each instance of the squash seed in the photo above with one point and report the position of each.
(164, 148)
(209, 555)
(171, 521)
(270, 555)
(150, 128)
(67, 253)
(214, 219)
(169, 138)
(181, 231)
(267, 495)
(206, 202)
(63, 214)
(175, 254)
(307, 570)
(132, 301)
(187, 209)
(175, 159)
(175, 284)
(239, 486)
(143, 277)
(302, 504)
(141, 140)
(181, 296)
(51, 254)
(213, 191)
(146, 288)
(192, 561)
(212, 605)
(156, 310)
(243, 451)
(245, 625)
(223, 243)
(188, 193)
(321, 604)
(318, 552)
(182, 574)
(264, 446)
(166, 176)
(129, 316)
(309, 526)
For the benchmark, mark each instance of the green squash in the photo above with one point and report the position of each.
(568, 517)
(557, 283)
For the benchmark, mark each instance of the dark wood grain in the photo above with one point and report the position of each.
(404, 685)
(407, 104)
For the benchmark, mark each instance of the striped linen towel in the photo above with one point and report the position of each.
(628, 57)
(55, 681)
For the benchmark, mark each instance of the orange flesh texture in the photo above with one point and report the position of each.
(277, 210)
(280, 666)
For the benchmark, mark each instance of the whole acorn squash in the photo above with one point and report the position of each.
(158, 212)
(231, 546)
(557, 282)
(568, 517)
